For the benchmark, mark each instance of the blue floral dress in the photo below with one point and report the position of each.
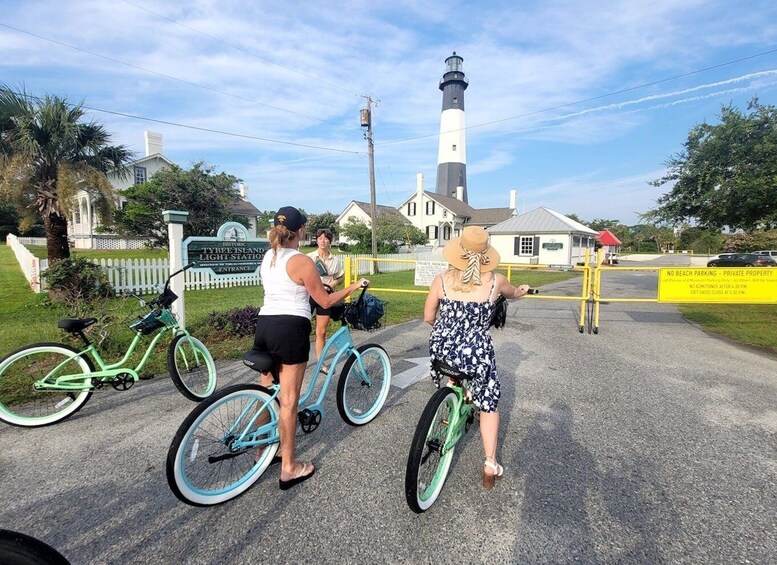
(461, 337)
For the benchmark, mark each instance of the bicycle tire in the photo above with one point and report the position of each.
(23, 406)
(357, 402)
(191, 465)
(426, 469)
(191, 369)
(17, 548)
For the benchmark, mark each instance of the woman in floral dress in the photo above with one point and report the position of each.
(459, 308)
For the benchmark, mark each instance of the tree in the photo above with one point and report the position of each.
(207, 196)
(48, 155)
(726, 174)
(326, 220)
(391, 232)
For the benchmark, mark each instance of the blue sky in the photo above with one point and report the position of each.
(576, 105)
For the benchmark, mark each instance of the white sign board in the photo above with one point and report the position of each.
(425, 271)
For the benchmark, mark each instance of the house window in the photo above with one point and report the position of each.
(431, 232)
(455, 99)
(77, 216)
(411, 208)
(430, 208)
(140, 175)
(454, 148)
(446, 232)
(524, 245)
(445, 213)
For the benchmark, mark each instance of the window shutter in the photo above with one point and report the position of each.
(517, 246)
(536, 246)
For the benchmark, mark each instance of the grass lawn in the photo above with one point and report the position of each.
(750, 324)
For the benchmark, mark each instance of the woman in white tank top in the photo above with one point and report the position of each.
(290, 279)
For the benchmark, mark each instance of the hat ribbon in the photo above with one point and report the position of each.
(474, 260)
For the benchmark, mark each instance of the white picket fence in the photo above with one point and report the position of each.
(30, 265)
(148, 275)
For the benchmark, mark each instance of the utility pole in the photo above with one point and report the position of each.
(366, 122)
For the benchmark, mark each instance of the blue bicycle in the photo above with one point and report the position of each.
(217, 454)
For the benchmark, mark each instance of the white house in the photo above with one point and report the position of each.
(542, 236)
(443, 217)
(360, 211)
(83, 223)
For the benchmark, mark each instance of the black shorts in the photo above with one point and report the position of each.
(285, 338)
(319, 310)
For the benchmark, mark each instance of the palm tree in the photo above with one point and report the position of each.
(47, 154)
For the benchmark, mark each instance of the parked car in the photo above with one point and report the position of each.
(742, 260)
(770, 252)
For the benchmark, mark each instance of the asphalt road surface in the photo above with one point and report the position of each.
(651, 442)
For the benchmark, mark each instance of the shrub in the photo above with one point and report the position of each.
(238, 321)
(76, 280)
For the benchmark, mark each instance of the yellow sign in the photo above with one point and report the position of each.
(749, 285)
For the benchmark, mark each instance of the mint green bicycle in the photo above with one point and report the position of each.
(45, 383)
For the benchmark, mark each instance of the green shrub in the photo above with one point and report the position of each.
(77, 280)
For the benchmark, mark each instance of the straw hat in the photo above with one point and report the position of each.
(470, 250)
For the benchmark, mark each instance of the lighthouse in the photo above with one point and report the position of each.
(452, 152)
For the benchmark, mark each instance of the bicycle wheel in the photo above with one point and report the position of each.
(21, 404)
(17, 548)
(191, 367)
(203, 467)
(361, 396)
(427, 468)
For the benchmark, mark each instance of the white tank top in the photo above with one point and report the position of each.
(282, 296)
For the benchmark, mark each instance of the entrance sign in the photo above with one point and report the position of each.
(756, 285)
(231, 252)
(425, 271)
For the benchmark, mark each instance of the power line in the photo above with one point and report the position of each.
(591, 99)
(198, 128)
(183, 81)
(239, 48)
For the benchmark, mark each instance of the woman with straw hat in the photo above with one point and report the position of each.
(464, 296)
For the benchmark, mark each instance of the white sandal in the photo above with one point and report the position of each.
(496, 472)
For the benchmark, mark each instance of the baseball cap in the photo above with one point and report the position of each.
(290, 217)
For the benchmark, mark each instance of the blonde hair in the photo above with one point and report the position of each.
(459, 284)
(279, 236)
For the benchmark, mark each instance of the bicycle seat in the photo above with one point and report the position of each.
(75, 325)
(259, 361)
(446, 370)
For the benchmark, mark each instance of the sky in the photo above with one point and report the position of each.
(575, 105)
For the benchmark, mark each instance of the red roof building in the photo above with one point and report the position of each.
(606, 237)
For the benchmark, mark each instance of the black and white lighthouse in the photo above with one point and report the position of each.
(452, 153)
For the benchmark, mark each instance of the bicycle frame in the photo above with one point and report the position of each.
(107, 371)
(342, 341)
(462, 412)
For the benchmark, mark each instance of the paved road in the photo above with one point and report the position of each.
(650, 442)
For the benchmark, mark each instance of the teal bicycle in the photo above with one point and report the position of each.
(446, 418)
(45, 383)
(216, 453)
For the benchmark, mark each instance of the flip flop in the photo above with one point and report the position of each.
(285, 485)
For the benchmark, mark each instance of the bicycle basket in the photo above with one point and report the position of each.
(366, 314)
(147, 324)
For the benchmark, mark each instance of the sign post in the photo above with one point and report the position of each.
(175, 220)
